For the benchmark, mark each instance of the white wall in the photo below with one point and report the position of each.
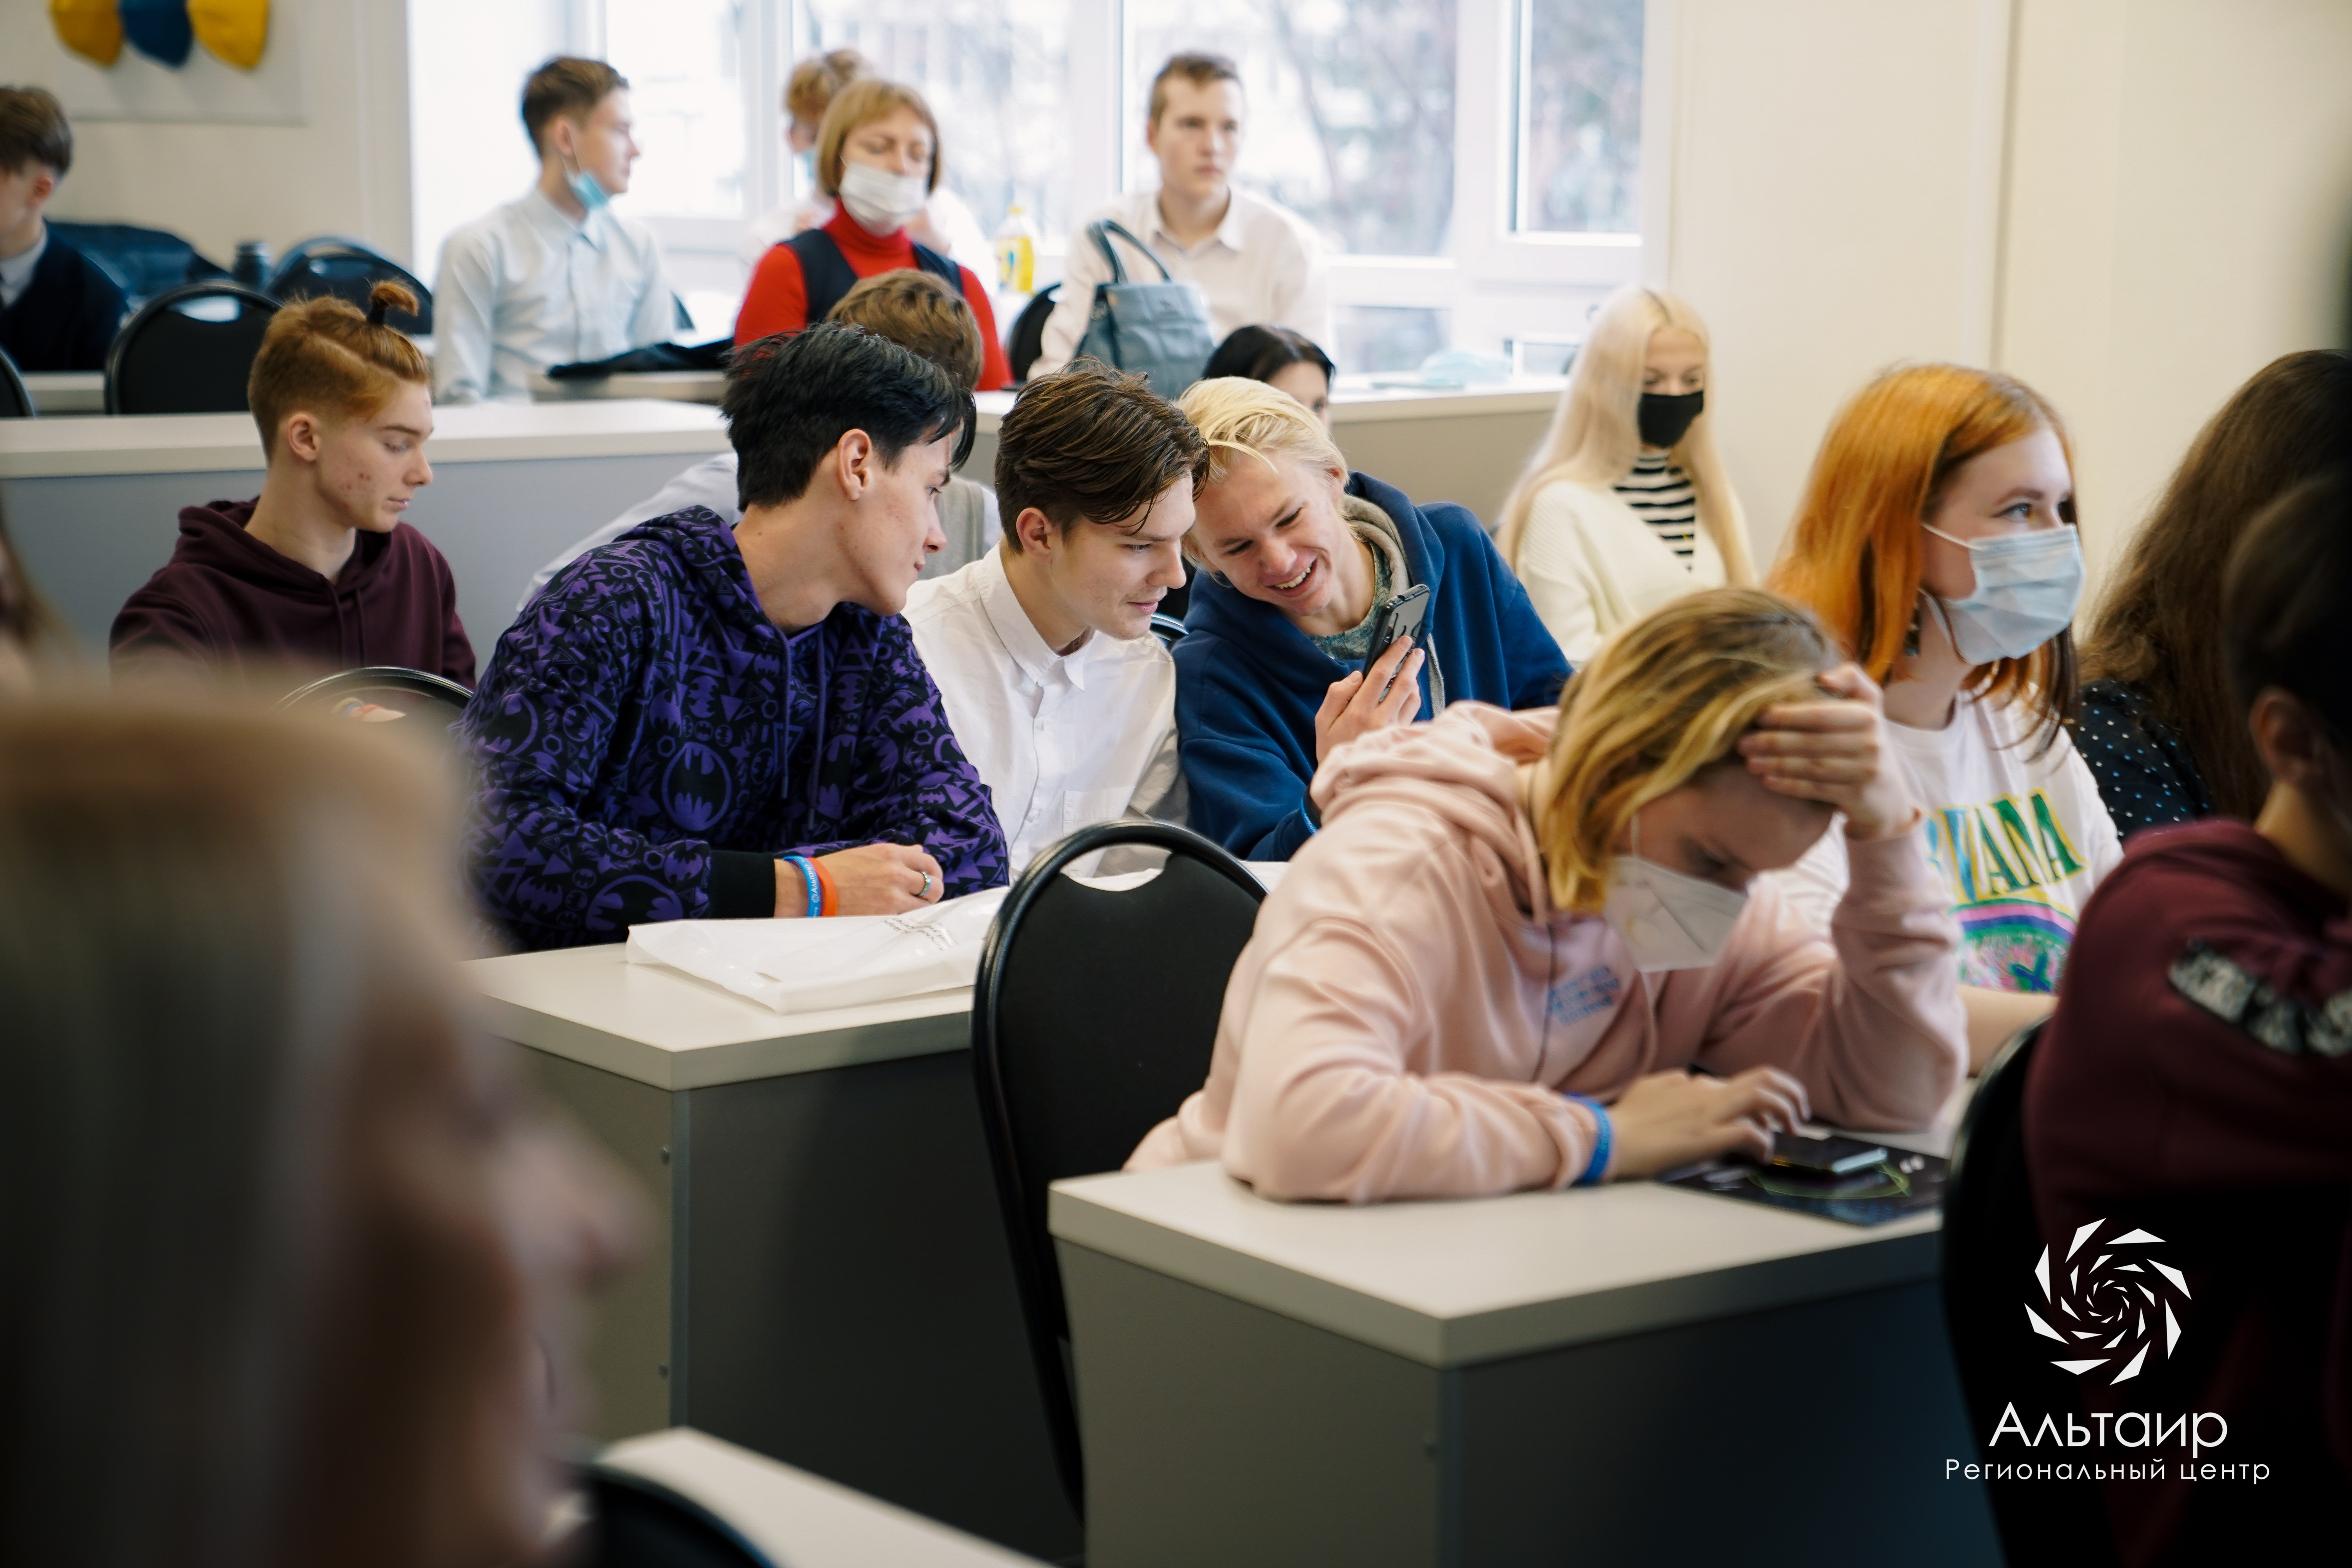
(344, 171)
(2132, 203)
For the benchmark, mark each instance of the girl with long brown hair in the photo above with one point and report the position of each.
(2160, 728)
(292, 1268)
(1936, 539)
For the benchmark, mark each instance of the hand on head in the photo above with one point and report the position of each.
(1670, 1119)
(1834, 752)
(1355, 705)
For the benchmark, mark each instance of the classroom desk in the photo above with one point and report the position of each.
(1631, 1373)
(58, 392)
(797, 1519)
(826, 1281)
(94, 503)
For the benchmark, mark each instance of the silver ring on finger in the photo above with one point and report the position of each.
(925, 890)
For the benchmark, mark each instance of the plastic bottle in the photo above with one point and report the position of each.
(1016, 252)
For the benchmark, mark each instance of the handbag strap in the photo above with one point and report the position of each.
(1100, 231)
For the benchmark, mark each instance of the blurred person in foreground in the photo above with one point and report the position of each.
(294, 1268)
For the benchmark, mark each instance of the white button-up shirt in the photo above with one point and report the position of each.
(523, 287)
(1263, 267)
(1062, 741)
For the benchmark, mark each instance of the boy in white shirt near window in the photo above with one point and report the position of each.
(1043, 649)
(556, 277)
(1256, 262)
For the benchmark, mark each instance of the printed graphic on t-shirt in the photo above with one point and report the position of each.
(2003, 862)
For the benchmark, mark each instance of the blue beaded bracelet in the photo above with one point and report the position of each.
(808, 876)
(1598, 1166)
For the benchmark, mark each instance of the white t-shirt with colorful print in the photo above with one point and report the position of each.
(2018, 839)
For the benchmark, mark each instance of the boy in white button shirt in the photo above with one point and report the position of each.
(1255, 262)
(1043, 649)
(556, 277)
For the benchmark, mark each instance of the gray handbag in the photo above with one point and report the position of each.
(1161, 328)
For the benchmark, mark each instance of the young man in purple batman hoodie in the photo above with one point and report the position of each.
(700, 722)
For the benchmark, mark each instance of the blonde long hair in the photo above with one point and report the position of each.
(1596, 433)
(1660, 703)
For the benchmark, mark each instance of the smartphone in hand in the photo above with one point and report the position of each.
(1402, 616)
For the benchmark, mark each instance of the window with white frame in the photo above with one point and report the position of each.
(1474, 166)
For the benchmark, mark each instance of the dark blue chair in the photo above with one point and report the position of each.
(188, 350)
(349, 270)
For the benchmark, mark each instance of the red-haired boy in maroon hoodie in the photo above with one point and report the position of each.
(318, 570)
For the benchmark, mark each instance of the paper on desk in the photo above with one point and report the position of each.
(810, 966)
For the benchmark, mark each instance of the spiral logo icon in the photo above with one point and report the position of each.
(2110, 1296)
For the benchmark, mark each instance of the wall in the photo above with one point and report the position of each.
(468, 137)
(2132, 203)
(344, 170)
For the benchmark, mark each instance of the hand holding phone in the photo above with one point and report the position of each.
(1402, 616)
(1385, 691)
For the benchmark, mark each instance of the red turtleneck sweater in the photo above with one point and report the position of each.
(778, 299)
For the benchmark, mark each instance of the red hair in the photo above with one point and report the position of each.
(1852, 555)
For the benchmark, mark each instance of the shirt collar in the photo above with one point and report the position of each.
(1030, 651)
(552, 221)
(1230, 229)
(18, 270)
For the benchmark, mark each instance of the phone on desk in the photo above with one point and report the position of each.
(1829, 1156)
(1402, 616)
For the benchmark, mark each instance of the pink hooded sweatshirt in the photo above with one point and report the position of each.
(1411, 1008)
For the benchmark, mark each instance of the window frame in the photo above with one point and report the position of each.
(1497, 282)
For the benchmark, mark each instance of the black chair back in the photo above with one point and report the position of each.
(15, 397)
(1991, 1240)
(640, 1523)
(188, 350)
(348, 270)
(432, 697)
(1028, 337)
(1168, 629)
(144, 262)
(1092, 1019)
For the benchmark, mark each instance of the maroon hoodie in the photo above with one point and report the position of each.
(225, 596)
(2195, 1084)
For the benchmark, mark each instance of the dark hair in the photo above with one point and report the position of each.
(34, 130)
(322, 355)
(1257, 352)
(792, 397)
(565, 85)
(916, 310)
(1089, 442)
(2156, 628)
(242, 1322)
(1198, 66)
(2283, 617)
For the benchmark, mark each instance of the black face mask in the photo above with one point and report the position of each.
(1664, 418)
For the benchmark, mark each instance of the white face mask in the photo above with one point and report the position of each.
(2027, 587)
(882, 202)
(1668, 920)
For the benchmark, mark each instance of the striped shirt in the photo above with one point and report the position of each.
(1661, 496)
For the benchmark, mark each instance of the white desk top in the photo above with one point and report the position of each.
(1446, 1284)
(799, 1520)
(673, 1031)
(475, 433)
(66, 391)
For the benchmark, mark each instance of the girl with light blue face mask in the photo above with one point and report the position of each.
(1936, 537)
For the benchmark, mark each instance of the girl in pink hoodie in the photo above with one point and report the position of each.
(1506, 925)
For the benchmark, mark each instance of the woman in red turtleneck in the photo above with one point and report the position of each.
(877, 155)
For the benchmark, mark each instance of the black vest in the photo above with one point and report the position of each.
(826, 276)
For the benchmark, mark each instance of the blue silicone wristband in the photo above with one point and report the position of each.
(1598, 1166)
(808, 877)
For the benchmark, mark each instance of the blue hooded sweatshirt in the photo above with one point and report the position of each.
(1248, 682)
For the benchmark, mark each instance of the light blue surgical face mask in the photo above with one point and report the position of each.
(586, 187)
(2028, 585)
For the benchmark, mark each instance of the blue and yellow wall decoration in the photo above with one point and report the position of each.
(235, 31)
